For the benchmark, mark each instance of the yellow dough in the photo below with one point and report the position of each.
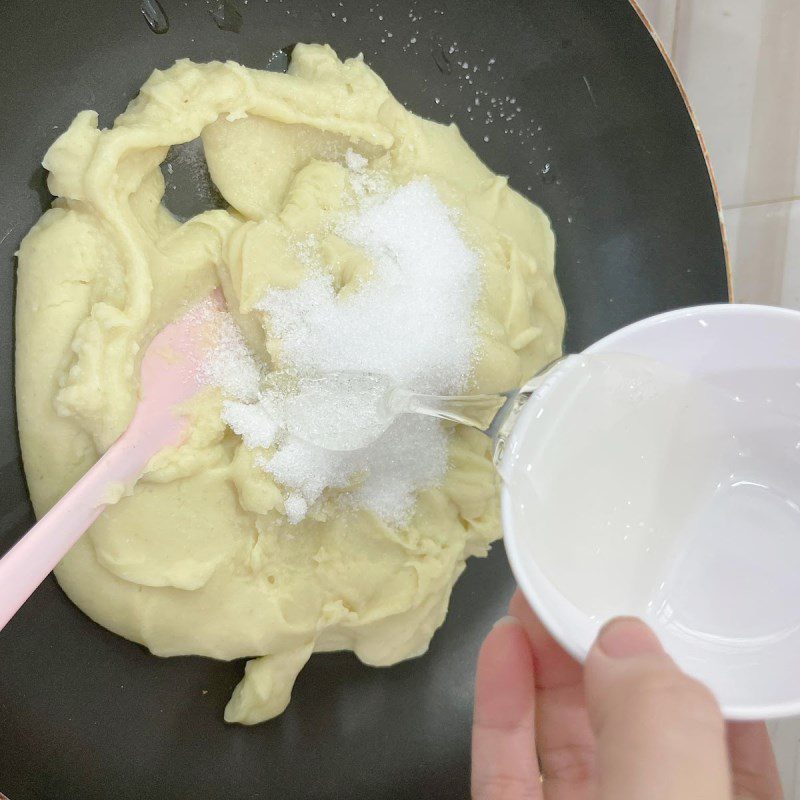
(198, 557)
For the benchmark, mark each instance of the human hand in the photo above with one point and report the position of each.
(628, 725)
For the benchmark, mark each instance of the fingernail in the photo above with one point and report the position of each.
(627, 637)
(506, 620)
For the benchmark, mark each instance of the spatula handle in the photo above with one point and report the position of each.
(30, 560)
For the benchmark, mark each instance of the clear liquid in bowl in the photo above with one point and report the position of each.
(653, 493)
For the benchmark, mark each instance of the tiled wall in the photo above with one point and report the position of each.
(740, 63)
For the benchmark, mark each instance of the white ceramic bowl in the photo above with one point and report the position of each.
(727, 584)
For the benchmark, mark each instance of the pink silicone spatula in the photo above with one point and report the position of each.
(170, 375)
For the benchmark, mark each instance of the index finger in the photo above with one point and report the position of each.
(564, 737)
(503, 748)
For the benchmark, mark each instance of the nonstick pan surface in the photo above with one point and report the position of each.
(607, 148)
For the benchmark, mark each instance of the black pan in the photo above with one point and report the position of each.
(616, 164)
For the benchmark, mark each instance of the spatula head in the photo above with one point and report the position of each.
(172, 367)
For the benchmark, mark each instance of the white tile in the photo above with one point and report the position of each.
(716, 54)
(793, 792)
(764, 243)
(785, 735)
(661, 15)
(740, 63)
(790, 296)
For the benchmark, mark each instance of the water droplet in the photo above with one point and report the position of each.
(226, 16)
(442, 61)
(154, 16)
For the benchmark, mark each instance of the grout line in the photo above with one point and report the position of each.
(674, 42)
(757, 203)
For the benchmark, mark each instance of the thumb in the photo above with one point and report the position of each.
(660, 734)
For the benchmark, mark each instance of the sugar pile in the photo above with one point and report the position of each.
(413, 321)
(231, 366)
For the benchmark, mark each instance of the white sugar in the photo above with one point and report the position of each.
(364, 181)
(230, 365)
(355, 161)
(306, 468)
(411, 456)
(412, 321)
(296, 508)
(257, 423)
